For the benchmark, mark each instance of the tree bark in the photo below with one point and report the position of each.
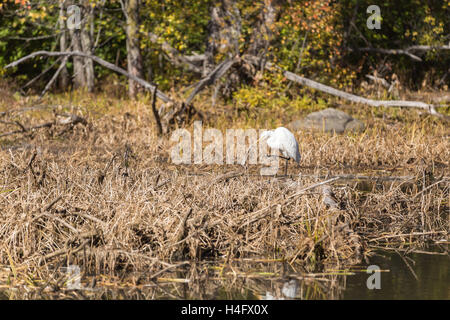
(224, 32)
(78, 70)
(263, 34)
(87, 34)
(64, 75)
(134, 57)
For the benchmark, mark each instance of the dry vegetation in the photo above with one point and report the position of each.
(104, 195)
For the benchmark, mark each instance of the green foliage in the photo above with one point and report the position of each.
(404, 23)
(269, 98)
(314, 38)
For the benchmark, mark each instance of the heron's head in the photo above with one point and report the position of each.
(266, 134)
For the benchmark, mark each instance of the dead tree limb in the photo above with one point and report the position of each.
(427, 48)
(341, 94)
(176, 57)
(406, 51)
(41, 74)
(55, 76)
(391, 51)
(216, 74)
(156, 113)
(100, 61)
(70, 119)
(379, 80)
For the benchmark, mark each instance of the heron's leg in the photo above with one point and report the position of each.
(282, 157)
(286, 167)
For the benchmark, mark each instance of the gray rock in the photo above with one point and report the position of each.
(328, 120)
(355, 125)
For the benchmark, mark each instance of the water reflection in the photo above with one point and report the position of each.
(432, 272)
(412, 276)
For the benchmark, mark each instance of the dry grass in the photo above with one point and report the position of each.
(105, 196)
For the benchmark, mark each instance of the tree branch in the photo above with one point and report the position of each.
(406, 51)
(52, 80)
(341, 94)
(427, 48)
(100, 61)
(216, 74)
(391, 51)
(176, 57)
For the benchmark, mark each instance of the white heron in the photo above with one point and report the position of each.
(284, 141)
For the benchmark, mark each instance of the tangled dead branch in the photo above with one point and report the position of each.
(341, 94)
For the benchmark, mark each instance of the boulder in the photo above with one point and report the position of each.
(328, 120)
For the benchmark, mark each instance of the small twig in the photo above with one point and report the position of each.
(64, 251)
(87, 216)
(412, 251)
(155, 112)
(181, 234)
(168, 268)
(161, 184)
(62, 222)
(429, 187)
(407, 264)
(227, 176)
(102, 174)
(48, 207)
(44, 125)
(30, 163)
(407, 235)
(126, 156)
(156, 180)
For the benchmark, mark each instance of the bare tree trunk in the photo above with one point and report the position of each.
(64, 75)
(78, 70)
(263, 34)
(224, 33)
(134, 56)
(87, 34)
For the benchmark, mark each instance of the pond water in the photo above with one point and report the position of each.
(412, 276)
(427, 277)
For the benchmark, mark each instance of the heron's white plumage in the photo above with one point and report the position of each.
(283, 140)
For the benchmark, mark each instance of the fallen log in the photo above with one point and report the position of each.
(100, 61)
(216, 74)
(341, 94)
